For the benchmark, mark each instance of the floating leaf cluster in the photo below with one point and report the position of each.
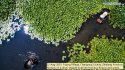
(8, 28)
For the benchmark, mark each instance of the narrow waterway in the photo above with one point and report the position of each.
(91, 28)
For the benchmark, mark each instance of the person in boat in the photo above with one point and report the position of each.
(102, 17)
(31, 62)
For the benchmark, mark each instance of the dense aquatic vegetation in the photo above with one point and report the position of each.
(117, 17)
(58, 20)
(77, 54)
(102, 50)
(6, 8)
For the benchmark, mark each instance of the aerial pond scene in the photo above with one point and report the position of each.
(34, 33)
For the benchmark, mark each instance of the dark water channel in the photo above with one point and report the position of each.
(91, 28)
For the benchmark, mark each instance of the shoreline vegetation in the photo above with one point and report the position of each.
(8, 28)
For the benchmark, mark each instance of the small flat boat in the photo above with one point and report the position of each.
(102, 17)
